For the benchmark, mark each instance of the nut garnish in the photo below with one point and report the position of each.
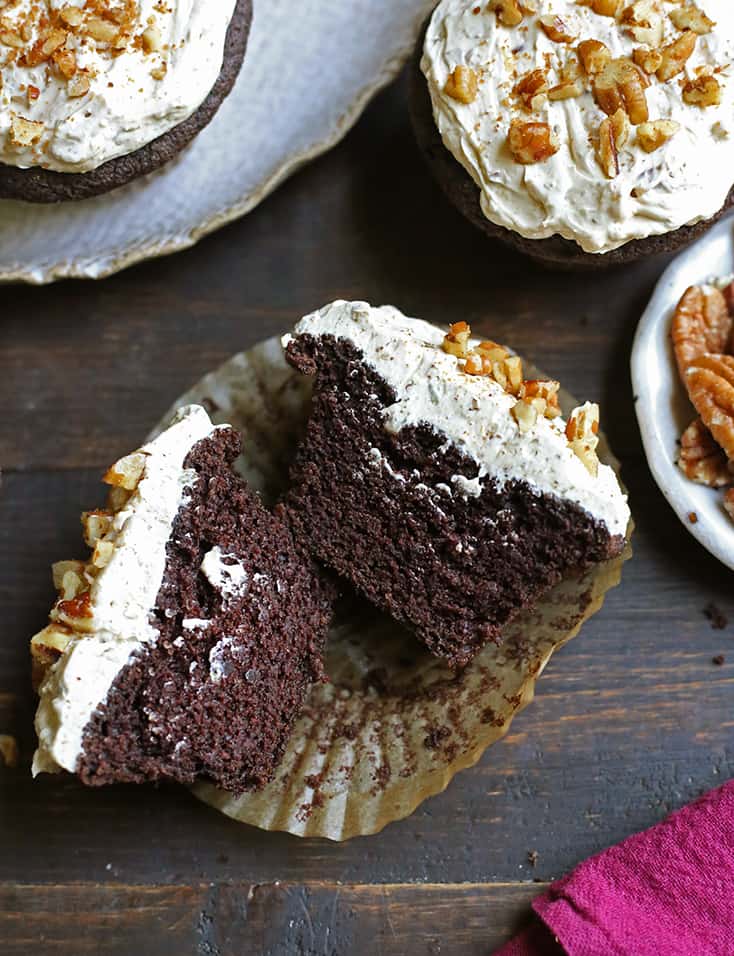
(153, 41)
(96, 524)
(701, 323)
(532, 142)
(614, 132)
(691, 17)
(594, 56)
(710, 384)
(606, 8)
(456, 341)
(582, 430)
(558, 29)
(651, 136)
(643, 21)
(531, 89)
(461, 84)
(701, 459)
(675, 56)
(509, 12)
(72, 16)
(78, 86)
(647, 59)
(702, 91)
(621, 85)
(567, 90)
(525, 414)
(127, 472)
(24, 132)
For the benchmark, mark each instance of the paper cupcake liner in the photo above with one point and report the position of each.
(393, 724)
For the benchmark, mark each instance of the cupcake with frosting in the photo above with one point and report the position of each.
(583, 133)
(95, 93)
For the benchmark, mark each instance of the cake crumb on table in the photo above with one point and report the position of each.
(717, 617)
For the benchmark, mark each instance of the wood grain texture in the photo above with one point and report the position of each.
(213, 919)
(631, 720)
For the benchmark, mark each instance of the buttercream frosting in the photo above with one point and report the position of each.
(121, 595)
(472, 412)
(685, 181)
(140, 85)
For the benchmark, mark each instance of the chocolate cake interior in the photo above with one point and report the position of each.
(241, 620)
(376, 507)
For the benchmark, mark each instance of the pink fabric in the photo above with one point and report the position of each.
(666, 892)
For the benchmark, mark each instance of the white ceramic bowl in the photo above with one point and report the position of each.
(662, 405)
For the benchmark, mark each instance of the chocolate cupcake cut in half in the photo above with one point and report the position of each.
(183, 648)
(438, 480)
(582, 134)
(96, 94)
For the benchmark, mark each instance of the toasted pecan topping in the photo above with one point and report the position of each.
(531, 142)
(461, 84)
(675, 55)
(653, 135)
(702, 91)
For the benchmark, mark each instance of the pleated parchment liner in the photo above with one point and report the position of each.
(393, 725)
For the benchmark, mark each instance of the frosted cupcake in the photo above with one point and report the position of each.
(96, 94)
(581, 133)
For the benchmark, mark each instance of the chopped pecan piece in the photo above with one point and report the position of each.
(691, 17)
(675, 56)
(647, 59)
(127, 472)
(621, 85)
(582, 430)
(702, 91)
(531, 89)
(606, 8)
(614, 132)
(456, 341)
(567, 90)
(24, 132)
(509, 12)
(594, 56)
(558, 29)
(652, 136)
(531, 142)
(462, 84)
(644, 22)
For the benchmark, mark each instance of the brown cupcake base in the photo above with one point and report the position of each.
(48, 186)
(556, 252)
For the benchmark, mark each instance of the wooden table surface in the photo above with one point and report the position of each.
(631, 719)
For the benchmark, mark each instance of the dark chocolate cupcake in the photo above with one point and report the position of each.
(95, 96)
(582, 139)
(184, 647)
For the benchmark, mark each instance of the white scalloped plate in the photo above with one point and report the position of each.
(311, 67)
(663, 408)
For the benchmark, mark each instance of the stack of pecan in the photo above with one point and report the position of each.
(702, 340)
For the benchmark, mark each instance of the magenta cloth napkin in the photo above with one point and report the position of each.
(668, 891)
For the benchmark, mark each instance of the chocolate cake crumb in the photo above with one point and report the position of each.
(718, 619)
(718, 660)
(533, 858)
(215, 700)
(395, 538)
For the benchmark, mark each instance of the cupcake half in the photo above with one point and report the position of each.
(584, 134)
(184, 646)
(95, 94)
(444, 485)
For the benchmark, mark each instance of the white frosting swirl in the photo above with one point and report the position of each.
(122, 596)
(685, 181)
(133, 97)
(473, 412)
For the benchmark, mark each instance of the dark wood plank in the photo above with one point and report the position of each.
(316, 919)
